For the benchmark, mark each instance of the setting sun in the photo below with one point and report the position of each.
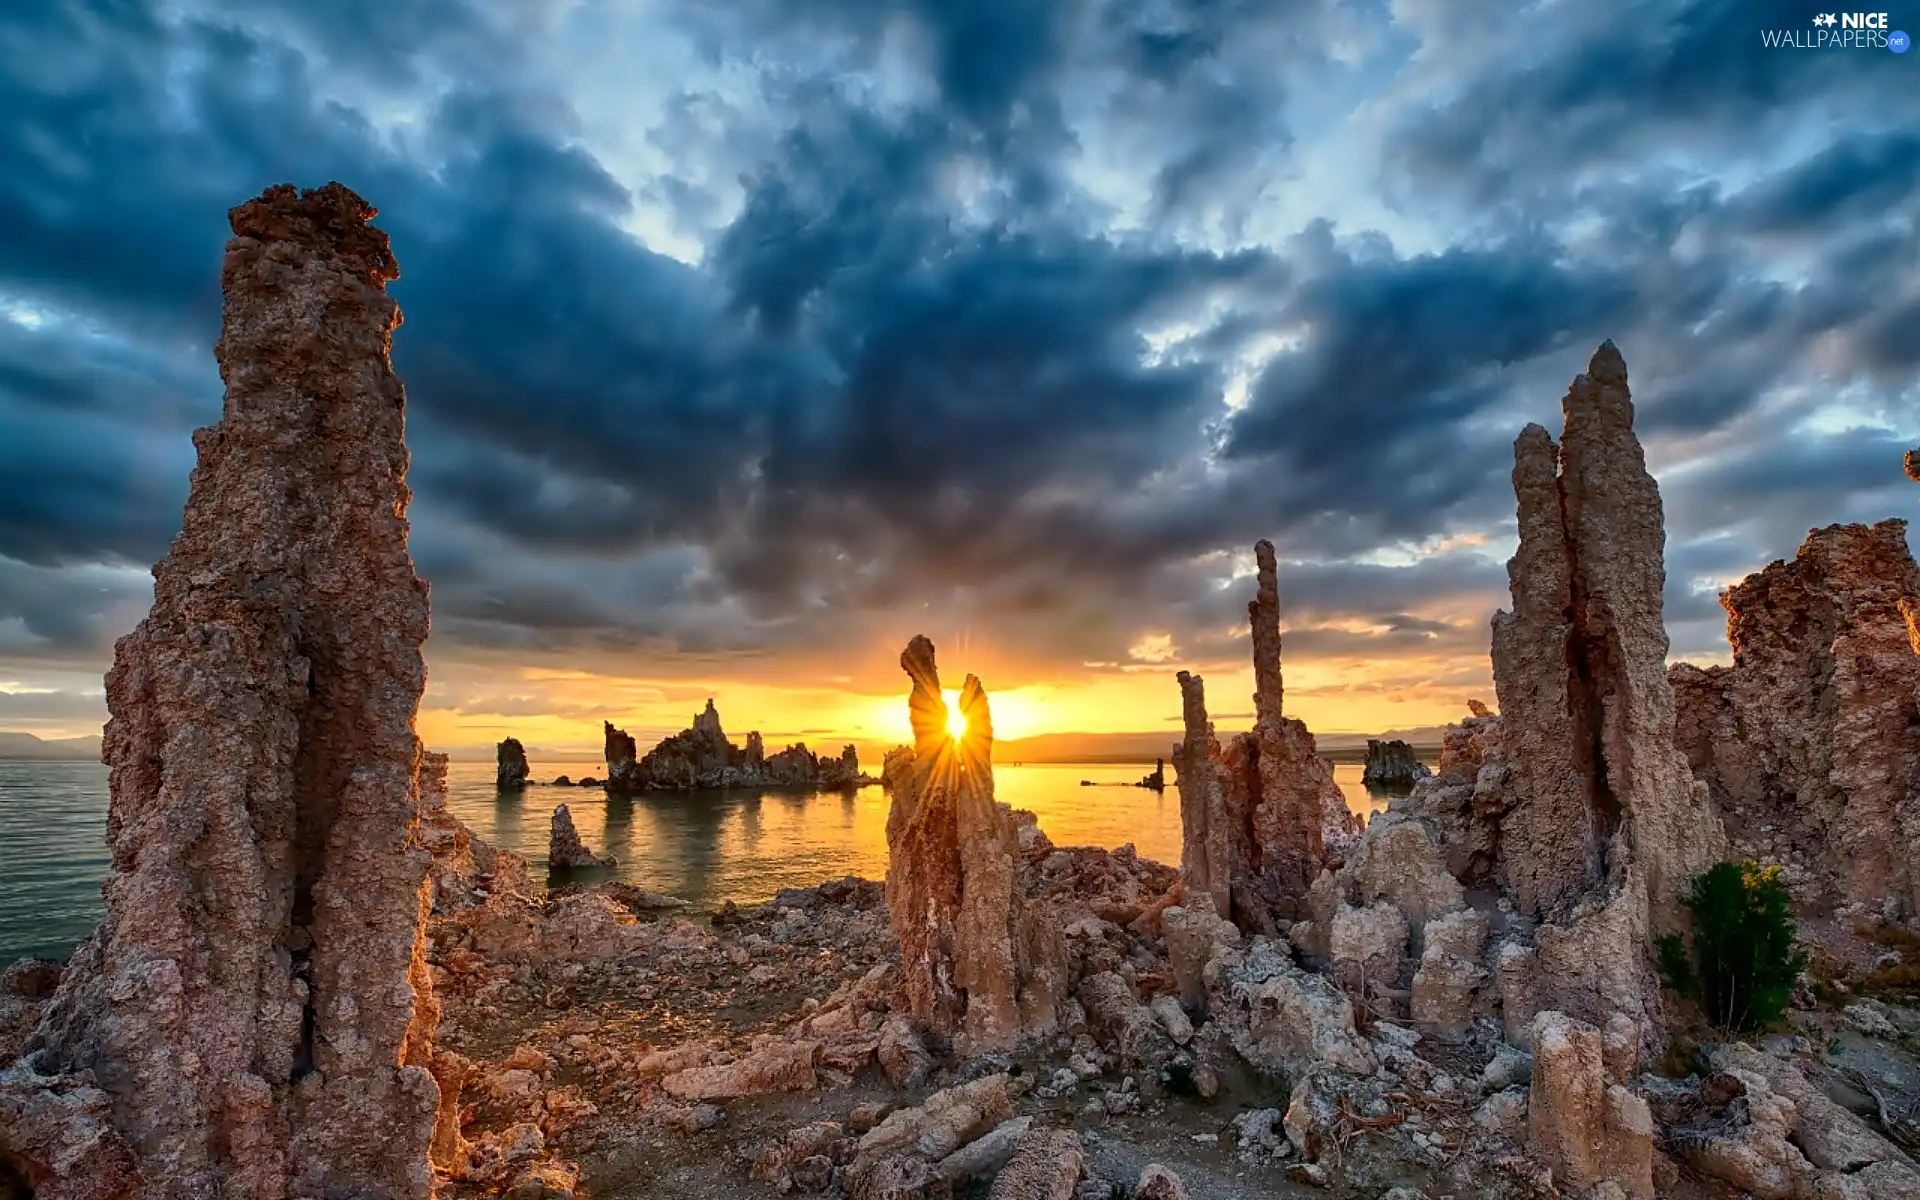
(956, 720)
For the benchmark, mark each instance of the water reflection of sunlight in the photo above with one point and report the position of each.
(706, 847)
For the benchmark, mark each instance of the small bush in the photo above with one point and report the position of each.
(1743, 966)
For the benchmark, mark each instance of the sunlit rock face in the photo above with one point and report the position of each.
(1261, 818)
(511, 770)
(1582, 1121)
(1810, 741)
(255, 1007)
(952, 858)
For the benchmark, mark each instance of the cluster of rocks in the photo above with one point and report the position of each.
(702, 757)
(1392, 766)
(1810, 740)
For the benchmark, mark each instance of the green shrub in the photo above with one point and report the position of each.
(1743, 966)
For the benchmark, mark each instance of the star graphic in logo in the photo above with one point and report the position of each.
(1826, 19)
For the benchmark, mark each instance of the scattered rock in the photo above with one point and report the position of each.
(1159, 1183)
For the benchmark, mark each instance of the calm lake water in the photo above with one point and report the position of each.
(704, 847)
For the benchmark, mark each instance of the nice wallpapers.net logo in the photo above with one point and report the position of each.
(1840, 31)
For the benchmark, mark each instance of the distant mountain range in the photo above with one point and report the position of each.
(1145, 747)
(27, 746)
(1044, 748)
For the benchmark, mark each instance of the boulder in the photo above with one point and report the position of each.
(1046, 1165)
(774, 1066)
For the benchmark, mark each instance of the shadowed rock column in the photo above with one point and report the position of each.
(950, 869)
(623, 759)
(1289, 819)
(1299, 822)
(256, 1005)
(1580, 667)
(565, 850)
(1207, 842)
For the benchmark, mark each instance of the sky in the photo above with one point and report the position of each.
(745, 339)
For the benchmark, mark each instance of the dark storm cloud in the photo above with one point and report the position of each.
(1863, 177)
(63, 616)
(1580, 89)
(1402, 355)
(915, 377)
(80, 487)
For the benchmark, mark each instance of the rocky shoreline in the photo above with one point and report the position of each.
(297, 995)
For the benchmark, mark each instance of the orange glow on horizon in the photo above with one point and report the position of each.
(560, 713)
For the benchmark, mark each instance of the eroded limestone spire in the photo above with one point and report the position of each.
(1580, 667)
(1261, 817)
(1207, 844)
(1263, 614)
(256, 1005)
(951, 867)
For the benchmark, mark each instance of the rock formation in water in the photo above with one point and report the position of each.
(565, 850)
(1810, 741)
(836, 774)
(702, 757)
(1261, 819)
(1392, 766)
(623, 758)
(1598, 790)
(1157, 781)
(512, 770)
(255, 1009)
(951, 862)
